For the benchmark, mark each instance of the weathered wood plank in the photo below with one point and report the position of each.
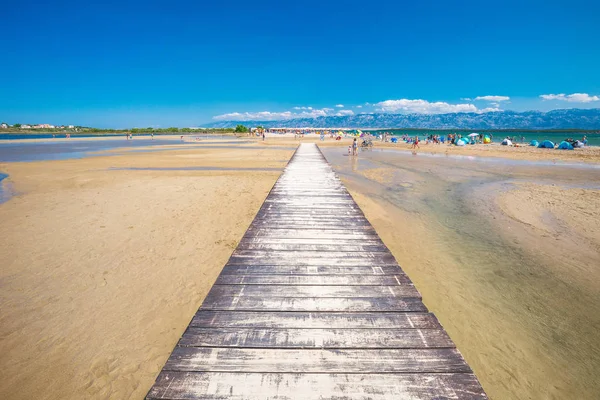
(315, 304)
(347, 221)
(261, 386)
(317, 280)
(274, 291)
(310, 233)
(340, 320)
(320, 241)
(311, 361)
(312, 247)
(230, 269)
(316, 338)
(304, 216)
(313, 262)
(371, 255)
(358, 226)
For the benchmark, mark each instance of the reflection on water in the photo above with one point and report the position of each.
(524, 321)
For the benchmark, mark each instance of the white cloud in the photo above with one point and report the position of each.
(423, 107)
(572, 98)
(466, 99)
(276, 116)
(339, 105)
(488, 109)
(493, 98)
(303, 108)
(343, 113)
(495, 104)
(358, 106)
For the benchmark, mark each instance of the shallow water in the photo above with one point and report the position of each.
(194, 169)
(489, 160)
(6, 191)
(20, 136)
(43, 151)
(524, 321)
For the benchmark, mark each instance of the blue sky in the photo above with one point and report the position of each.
(125, 64)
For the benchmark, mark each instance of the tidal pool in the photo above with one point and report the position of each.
(509, 269)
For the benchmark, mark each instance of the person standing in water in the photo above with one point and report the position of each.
(355, 147)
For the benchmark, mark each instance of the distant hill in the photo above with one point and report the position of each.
(556, 119)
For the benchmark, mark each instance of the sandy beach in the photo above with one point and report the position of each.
(108, 257)
(104, 267)
(590, 154)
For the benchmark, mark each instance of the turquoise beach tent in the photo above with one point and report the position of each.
(461, 142)
(534, 143)
(565, 146)
(546, 144)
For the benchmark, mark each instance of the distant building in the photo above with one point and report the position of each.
(43, 126)
(4, 126)
(71, 126)
(25, 126)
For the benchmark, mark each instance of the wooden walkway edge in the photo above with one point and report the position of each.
(312, 305)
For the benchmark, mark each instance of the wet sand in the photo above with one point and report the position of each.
(505, 254)
(103, 267)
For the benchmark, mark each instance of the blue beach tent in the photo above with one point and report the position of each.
(565, 146)
(546, 144)
(534, 143)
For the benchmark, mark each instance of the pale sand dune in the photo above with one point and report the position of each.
(103, 269)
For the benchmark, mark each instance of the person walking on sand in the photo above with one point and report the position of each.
(416, 143)
(354, 147)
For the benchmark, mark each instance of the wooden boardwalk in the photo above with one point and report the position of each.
(312, 305)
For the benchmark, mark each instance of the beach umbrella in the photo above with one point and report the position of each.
(474, 134)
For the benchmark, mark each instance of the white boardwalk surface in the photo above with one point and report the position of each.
(312, 305)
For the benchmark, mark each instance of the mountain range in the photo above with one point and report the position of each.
(588, 119)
